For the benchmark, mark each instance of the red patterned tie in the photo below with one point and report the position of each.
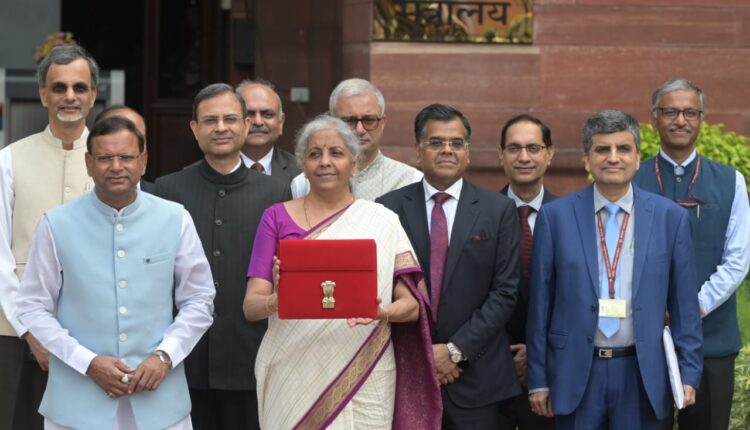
(438, 250)
(526, 241)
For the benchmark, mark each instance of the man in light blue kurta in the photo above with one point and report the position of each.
(127, 259)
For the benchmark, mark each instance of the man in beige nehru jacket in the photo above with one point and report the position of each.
(37, 173)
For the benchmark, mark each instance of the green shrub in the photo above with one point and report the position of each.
(725, 147)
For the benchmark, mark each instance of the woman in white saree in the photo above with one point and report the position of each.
(352, 373)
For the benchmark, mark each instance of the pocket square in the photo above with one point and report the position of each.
(478, 237)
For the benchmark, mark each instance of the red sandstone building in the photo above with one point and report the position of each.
(584, 55)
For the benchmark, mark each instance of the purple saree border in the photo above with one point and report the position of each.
(321, 399)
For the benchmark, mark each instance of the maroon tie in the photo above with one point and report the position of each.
(526, 241)
(258, 167)
(438, 250)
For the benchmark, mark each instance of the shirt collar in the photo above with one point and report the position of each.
(625, 202)
(58, 143)
(265, 161)
(680, 167)
(376, 162)
(453, 191)
(535, 203)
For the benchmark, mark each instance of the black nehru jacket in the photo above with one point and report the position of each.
(226, 210)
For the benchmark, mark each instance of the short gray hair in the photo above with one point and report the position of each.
(675, 85)
(265, 84)
(214, 90)
(354, 87)
(66, 54)
(321, 123)
(608, 122)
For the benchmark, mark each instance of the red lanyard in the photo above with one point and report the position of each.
(693, 202)
(612, 267)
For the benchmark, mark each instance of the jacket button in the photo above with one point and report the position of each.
(218, 222)
(590, 339)
(222, 193)
(593, 308)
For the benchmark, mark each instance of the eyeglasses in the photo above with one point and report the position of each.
(437, 144)
(369, 123)
(108, 159)
(531, 149)
(213, 121)
(673, 113)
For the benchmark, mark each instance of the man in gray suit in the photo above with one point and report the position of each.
(266, 126)
(226, 201)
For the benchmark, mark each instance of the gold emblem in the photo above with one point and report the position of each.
(328, 301)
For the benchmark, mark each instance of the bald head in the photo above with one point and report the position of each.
(123, 112)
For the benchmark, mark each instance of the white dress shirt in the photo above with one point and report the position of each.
(449, 206)
(193, 296)
(535, 203)
(265, 162)
(735, 259)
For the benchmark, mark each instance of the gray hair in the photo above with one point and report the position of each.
(608, 122)
(675, 85)
(265, 84)
(354, 87)
(65, 55)
(321, 123)
(214, 90)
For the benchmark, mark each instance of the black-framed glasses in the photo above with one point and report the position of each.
(531, 149)
(110, 158)
(437, 144)
(369, 122)
(673, 113)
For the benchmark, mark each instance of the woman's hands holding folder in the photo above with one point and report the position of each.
(404, 308)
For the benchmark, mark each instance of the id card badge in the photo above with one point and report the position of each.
(613, 308)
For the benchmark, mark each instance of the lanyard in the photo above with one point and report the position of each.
(693, 202)
(612, 267)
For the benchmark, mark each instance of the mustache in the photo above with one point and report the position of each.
(259, 129)
(685, 127)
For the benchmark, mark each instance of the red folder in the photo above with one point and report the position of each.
(327, 279)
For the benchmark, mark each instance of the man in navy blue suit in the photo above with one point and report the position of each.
(608, 261)
(466, 240)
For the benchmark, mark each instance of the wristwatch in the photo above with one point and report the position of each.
(163, 357)
(455, 354)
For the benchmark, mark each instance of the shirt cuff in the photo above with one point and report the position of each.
(81, 359)
(173, 348)
(539, 390)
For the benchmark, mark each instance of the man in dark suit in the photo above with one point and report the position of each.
(266, 126)
(525, 153)
(226, 201)
(137, 120)
(466, 240)
(608, 262)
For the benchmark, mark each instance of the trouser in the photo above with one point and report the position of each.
(481, 418)
(22, 384)
(224, 409)
(518, 415)
(713, 399)
(615, 399)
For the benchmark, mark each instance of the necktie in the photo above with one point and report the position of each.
(438, 250)
(258, 167)
(526, 242)
(609, 325)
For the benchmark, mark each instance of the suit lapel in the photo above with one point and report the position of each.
(584, 216)
(643, 209)
(276, 161)
(415, 214)
(466, 215)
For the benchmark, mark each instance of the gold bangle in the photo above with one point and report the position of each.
(385, 313)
